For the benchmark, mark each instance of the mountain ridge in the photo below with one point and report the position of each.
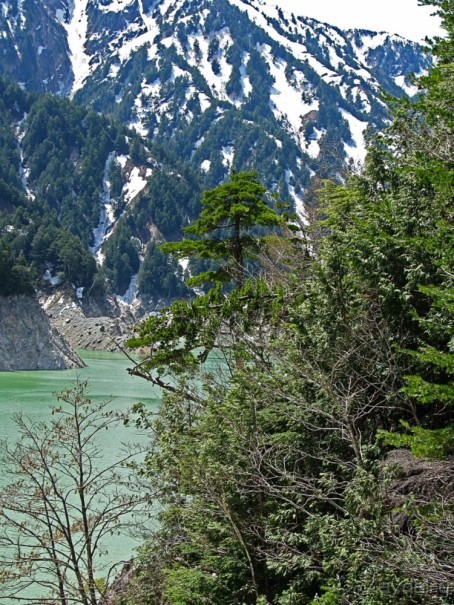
(209, 87)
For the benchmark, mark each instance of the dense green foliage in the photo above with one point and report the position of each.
(230, 212)
(274, 462)
(155, 278)
(56, 161)
(182, 335)
(51, 184)
(15, 278)
(159, 212)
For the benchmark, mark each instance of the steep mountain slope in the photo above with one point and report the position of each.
(28, 342)
(222, 83)
(34, 47)
(208, 86)
(69, 181)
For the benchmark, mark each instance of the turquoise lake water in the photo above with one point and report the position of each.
(108, 378)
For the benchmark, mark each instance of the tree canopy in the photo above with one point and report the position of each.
(294, 477)
(181, 336)
(230, 213)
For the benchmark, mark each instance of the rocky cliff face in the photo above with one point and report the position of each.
(27, 341)
(85, 325)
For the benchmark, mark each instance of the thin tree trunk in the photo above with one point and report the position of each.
(84, 511)
(238, 253)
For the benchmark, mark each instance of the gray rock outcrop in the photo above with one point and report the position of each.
(86, 326)
(27, 340)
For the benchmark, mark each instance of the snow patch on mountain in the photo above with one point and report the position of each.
(141, 105)
(113, 71)
(403, 82)
(77, 30)
(356, 148)
(130, 296)
(365, 41)
(334, 58)
(286, 99)
(199, 58)
(297, 199)
(147, 18)
(245, 81)
(24, 171)
(228, 153)
(259, 17)
(328, 75)
(107, 215)
(204, 101)
(115, 6)
(136, 183)
(166, 6)
(361, 98)
(134, 43)
(313, 146)
(375, 39)
(184, 264)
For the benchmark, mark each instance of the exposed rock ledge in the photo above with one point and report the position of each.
(27, 340)
(85, 325)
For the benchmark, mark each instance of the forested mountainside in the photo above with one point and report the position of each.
(221, 83)
(205, 87)
(68, 181)
(208, 87)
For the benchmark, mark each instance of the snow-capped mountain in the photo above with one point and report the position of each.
(224, 83)
(209, 86)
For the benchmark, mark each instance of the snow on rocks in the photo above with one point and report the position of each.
(313, 147)
(297, 199)
(53, 280)
(130, 296)
(199, 58)
(115, 6)
(136, 42)
(286, 98)
(135, 184)
(245, 82)
(107, 217)
(77, 32)
(356, 149)
(228, 153)
(403, 82)
(184, 264)
(205, 165)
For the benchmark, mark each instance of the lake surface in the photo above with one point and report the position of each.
(108, 378)
(31, 392)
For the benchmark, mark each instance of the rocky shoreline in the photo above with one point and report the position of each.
(28, 341)
(85, 325)
(43, 333)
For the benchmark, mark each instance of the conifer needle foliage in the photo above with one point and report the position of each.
(314, 463)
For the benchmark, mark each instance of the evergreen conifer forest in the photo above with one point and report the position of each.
(309, 460)
(303, 450)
